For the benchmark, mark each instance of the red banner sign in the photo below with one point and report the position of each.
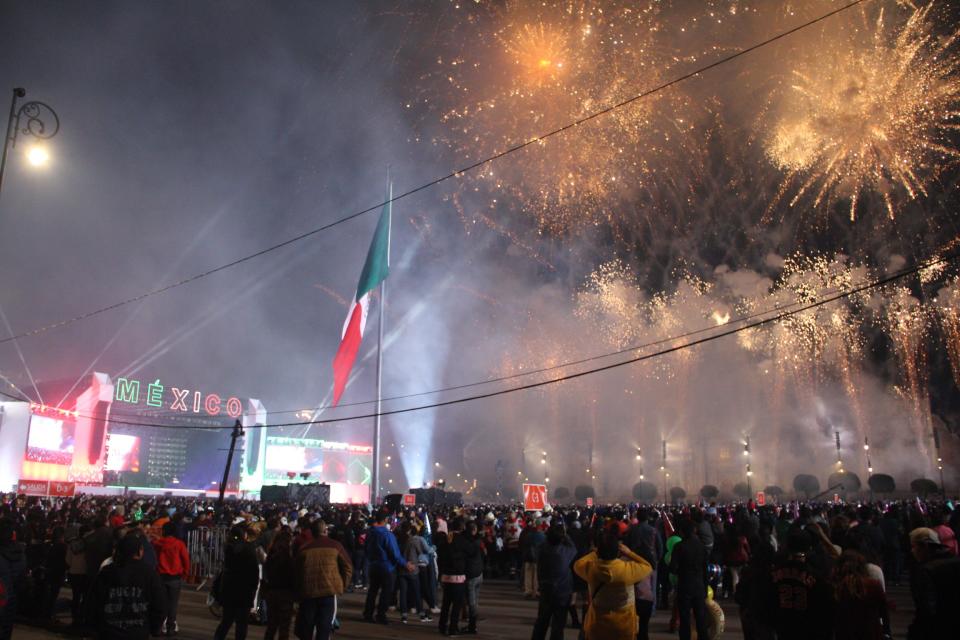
(534, 497)
(589, 501)
(409, 500)
(761, 498)
(63, 489)
(33, 487)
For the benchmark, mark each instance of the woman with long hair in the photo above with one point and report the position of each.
(415, 551)
(278, 585)
(861, 604)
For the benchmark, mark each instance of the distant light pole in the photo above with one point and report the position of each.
(663, 468)
(746, 454)
(33, 118)
(936, 445)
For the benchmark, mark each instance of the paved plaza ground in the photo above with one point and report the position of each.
(505, 614)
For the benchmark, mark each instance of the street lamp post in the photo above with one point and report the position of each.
(33, 118)
(663, 468)
(936, 446)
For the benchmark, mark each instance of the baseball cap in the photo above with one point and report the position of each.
(923, 535)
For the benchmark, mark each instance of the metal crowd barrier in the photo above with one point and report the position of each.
(205, 546)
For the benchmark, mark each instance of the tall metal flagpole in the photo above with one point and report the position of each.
(375, 491)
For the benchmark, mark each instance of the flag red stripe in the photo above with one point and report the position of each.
(346, 354)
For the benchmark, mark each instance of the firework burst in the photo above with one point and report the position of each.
(624, 315)
(817, 340)
(532, 67)
(869, 111)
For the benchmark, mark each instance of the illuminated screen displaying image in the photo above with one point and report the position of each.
(123, 453)
(325, 461)
(50, 440)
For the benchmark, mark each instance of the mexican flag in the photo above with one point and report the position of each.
(375, 270)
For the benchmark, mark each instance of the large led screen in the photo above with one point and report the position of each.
(123, 453)
(289, 459)
(50, 440)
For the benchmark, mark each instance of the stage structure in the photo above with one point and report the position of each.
(254, 446)
(89, 440)
(96, 443)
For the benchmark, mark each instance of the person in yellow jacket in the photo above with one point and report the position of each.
(610, 572)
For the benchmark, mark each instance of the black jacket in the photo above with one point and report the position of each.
(241, 575)
(97, 546)
(454, 554)
(553, 572)
(278, 571)
(689, 562)
(127, 601)
(935, 587)
(475, 560)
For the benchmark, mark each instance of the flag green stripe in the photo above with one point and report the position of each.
(377, 266)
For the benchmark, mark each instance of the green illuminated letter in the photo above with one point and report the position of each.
(128, 390)
(155, 393)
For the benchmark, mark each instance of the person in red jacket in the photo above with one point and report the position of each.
(173, 565)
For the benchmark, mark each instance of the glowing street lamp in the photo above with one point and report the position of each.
(38, 156)
(34, 118)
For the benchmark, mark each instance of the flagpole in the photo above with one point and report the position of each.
(375, 490)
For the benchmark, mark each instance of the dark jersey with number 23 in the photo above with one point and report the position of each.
(802, 601)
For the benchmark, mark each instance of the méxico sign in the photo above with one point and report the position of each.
(129, 391)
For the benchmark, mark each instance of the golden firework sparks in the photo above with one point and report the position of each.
(948, 312)
(532, 67)
(869, 111)
(908, 326)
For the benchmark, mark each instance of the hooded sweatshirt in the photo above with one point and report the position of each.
(172, 557)
(612, 613)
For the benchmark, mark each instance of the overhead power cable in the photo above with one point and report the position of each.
(436, 181)
(530, 372)
(721, 333)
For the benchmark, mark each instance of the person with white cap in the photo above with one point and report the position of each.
(935, 587)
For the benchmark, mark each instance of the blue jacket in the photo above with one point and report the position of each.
(382, 549)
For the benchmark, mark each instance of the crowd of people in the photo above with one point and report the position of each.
(801, 570)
